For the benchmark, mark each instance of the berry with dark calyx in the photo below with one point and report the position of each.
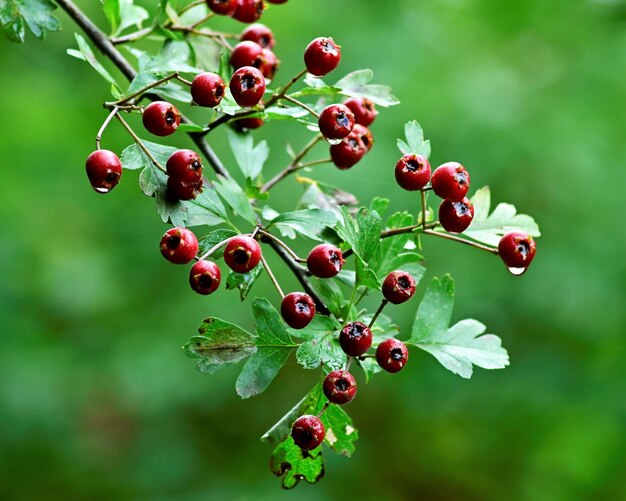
(308, 432)
(297, 310)
(322, 56)
(242, 253)
(104, 170)
(325, 261)
(161, 118)
(208, 90)
(247, 86)
(412, 172)
(179, 245)
(268, 64)
(451, 181)
(364, 110)
(355, 339)
(184, 166)
(455, 217)
(348, 152)
(248, 11)
(336, 121)
(222, 7)
(339, 387)
(205, 277)
(364, 134)
(392, 355)
(517, 249)
(398, 287)
(250, 123)
(260, 34)
(246, 53)
(179, 190)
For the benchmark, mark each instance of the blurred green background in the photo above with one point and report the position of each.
(97, 400)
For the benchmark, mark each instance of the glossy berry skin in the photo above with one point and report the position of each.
(412, 172)
(364, 110)
(179, 190)
(355, 339)
(104, 170)
(348, 152)
(336, 121)
(339, 387)
(451, 181)
(455, 217)
(364, 134)
(179, 245)
(222, 7)
(392, 355)
(208, 90)
(325, 261)
(268, 64)
(184, 166)
(246, 53)
(297, 310)
(244, 124)
(259, 33)
(398, 287)
(308, 432)
(242, 254)
(322, 56)
(247, 86)
(205, 277)
(517, 249)
(248, 11)
(161, 118)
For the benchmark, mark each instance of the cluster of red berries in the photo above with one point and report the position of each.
(246, 11)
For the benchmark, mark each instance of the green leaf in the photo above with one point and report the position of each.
(212, 239)
(273, 348)
(365, 276)
(128, 14)
(249, 157)
(340, 432)
(210, 202)
(415, 142)
(133, 157)
(461, 346)
(111, 10)
(331, 294)
(282, 429)
(174, 56)
(234, 196)
(294, 464)
(36, 14)
(324, 196)
(370, 368)
(243, 281)
(320, 346)
(85, 53)
(490, 228)
(169, 210)
(151, 179)
(308, 223)
(219, 343)
(362, 233)
(356, 84)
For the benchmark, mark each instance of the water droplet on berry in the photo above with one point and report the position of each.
(102, 189)
(333, 141)
(517, 271)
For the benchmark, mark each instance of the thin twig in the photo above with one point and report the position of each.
(160, 81)
(272, 277)
(302, 105)
(203, 20)
(214, 248)
(461, 240)
(105, 124)
(378, 312)
(132, 37)
(423, 197)
(190, 6)
(293, 255)
(140, 144)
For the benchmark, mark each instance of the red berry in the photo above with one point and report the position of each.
(392, 355)
(517, 249)
(339, 387)
(260, 34)
(242, 253)
(179, 245)
(247, 86)
(398, 287)
(308, 432)
(322, 56)
(222, 7)
(208, 89)
(268, 64)
(451, 181)
(161, 118)
(179, 190)
(412, 172)
(455, 217)
(325, 261)
(205, 277)
(349, 151)
(355, 339)
(184, 166)
(364, 134)
(364, 110)
(336, 121)
(246, 54)
(244, 124)
(248, 11)
(297, 309)
(104, 170)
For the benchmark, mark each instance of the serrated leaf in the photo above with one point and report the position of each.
(308, 223)
(36, 14)
(173, 211)
(320, 346)
(273, 348)
(361, 233)
(340, 432)
(212, 239)
(151, 179)
(85, 53)
(415, 142)
(133, 157)
(243, 281)
(250, 157)
(461, 346)
(174, 56)
(490, 228)
(356, 84)
(210, 202)
(234, 196)
(294, 464)
(324, 196)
